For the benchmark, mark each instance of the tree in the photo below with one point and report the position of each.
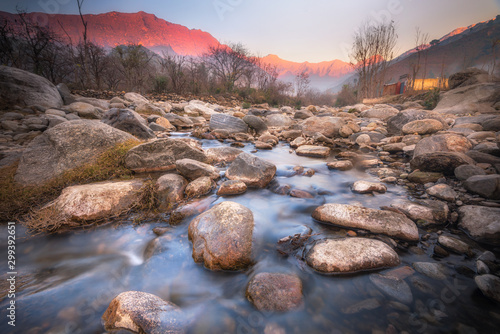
(134, 64)
(228, 63)
(173, 66)
(371, 53)
(302, 82)
(421, 40)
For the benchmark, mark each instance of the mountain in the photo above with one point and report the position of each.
(114, 28)
(322, 75)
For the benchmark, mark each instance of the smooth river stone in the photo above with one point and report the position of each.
(376, 221)
(351, 255)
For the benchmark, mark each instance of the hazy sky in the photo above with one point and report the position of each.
(297, 30)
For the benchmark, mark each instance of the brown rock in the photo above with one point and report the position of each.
(275, 292)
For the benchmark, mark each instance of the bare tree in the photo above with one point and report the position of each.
(421, 46)
(228, 63)
(494, 44)
(134, 64)
(302, 82)
(174, 67)
(371, 53)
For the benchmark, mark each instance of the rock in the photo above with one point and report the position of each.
(141, 312)
(350, 255)
(366, 187)
(269, 139)
(468, 99)
(463, 172)
(422, 127)
(470, 76)
(263, 146)
(222, 237)
(165, 123)
(440, 162)
(253, 171)
(297, 142)
(489, 286)
(193, 169)
(231, 187)
(85, 110)
(487, 186)
(297, 193)
(303, 114)
(149, 109)
(256, 123)
(222, 154)
(55, 120)
(345, 131)
(199, 187)
(481, 157)
(430, 212)
(135, 98)
(128, 121)
(170, 190)
(342, 165)
(396, 123)
(64, 147)
(443, 143)
(55, 112)
(376, 221)
(393, 287)
(179, 121)
(481, 223)
(431, 269)
(98, 103)
(291, 134)
(394, 147)
(380, 111)
(18, 87)
(65, 94)
(442, 191)
(156, 127)
(96, 201)
(313, 151)
(363, 139)
(424, 177)
(198, 108)
(274, 292)
(454, 244)
(327, 126)
(367, 304)
(227, 122)
(161, 155)
(278, 121)
(375, 137)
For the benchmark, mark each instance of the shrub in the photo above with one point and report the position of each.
(431, 98)
(246, 105)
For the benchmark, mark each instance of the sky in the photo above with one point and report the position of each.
(296, 30)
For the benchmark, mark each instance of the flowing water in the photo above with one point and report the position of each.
(66, 281)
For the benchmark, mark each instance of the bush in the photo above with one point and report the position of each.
(347, 96)
(431, 98)
(246, 105)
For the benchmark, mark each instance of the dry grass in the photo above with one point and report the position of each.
(16, 201)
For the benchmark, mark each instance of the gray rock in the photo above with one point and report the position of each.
(481, 223)
(222, 237)
(193, 169)
(64, 147)
(463, 172)
(489, 286)
(255, 172)
(442, 143)
(255, 123)
(327, 126)
(179, 122)
(161, 155)
(365, 305)
(350, 255)
(470, 76)
(170, 190)
(431, 212)
(98, 103)
(481, 157)
(442, 191)
(454, 244)
(135, 98)
(222, 154)
(12, 116)
(342, 165)
(431, 269)
(393, 287)
(375, 137)
(380, 111)
(55, 120)
(18, 87)
(376, 221)
(468, 99)
(141, 312)
(302, 114)
(84, 110)
(275, 292)
(278, 120)
(395, 124)
(55, 112)
(366, 187)
(65, 93)
(227, 122)
(128, 121)
(156, 127)
(487, 186)
(422, 127)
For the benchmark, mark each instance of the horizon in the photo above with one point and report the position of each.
(220, 14)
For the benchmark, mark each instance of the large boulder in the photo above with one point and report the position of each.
(489, 286)
(481, 223)
(278, 120)
(442, 143)
(97, 200)
(129, 121)
(199, 108)
(135, 98)
(275, 292)
(426, 212)
(227, 122)
(222, 237)
(170, 190)
(351, 255)
(376, 221)
(380, 111)
(222, 154)
(470, 76)
(141, 312)
(422, 127)
(255, 172)
(256, 123)
(327, 126)
(487, 186)
(469, 99)
(26, 89)
(440, 162)
(64, 147)
(161, 155)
